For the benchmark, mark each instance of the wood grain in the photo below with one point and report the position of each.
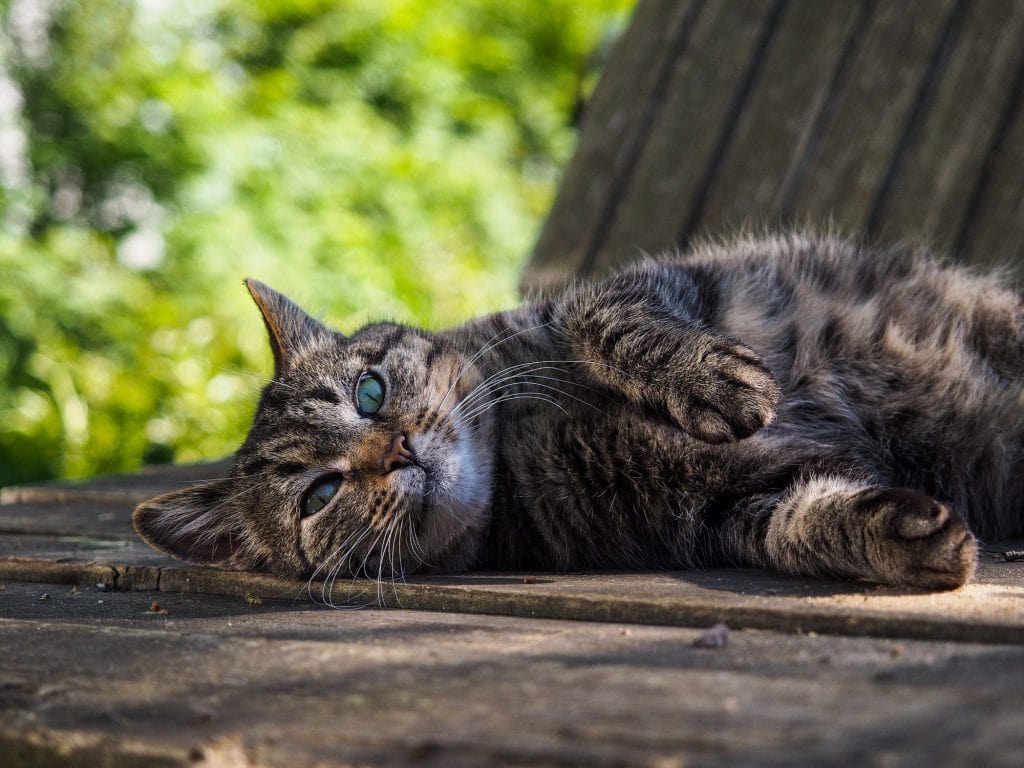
(88, 542)
(616, 125)
(946, 151)
(226, 682)
(890, 121)
(664, 188)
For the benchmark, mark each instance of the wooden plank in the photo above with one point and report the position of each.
(932, 190)
(220, 681)
(994, 234)
(775, 127)
(985, 611)
(116, 489)
(110, 521)
(895, 120)
(848, 164)
(615, 128)
(707, 81)
(65, 549)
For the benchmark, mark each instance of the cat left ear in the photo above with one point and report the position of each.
(194, 525)
(289, 327)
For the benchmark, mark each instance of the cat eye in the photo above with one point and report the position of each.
(320, 494)
(369, 394)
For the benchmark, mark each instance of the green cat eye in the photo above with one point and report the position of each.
(320, 494)
(369, 394)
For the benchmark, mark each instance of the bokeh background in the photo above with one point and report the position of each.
(372, 158)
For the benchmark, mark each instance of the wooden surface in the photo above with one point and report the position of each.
(880, 118)
(89, 678)
(490, 669)
(890, 119)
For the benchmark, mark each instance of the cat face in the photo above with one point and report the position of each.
(358, 462)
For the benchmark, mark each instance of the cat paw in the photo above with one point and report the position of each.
(915, 541)
(729, 394)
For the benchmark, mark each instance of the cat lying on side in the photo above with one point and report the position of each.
(795, 403)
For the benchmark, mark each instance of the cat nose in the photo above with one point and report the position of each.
(399, 456)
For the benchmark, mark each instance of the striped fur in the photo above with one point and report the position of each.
(797, 403)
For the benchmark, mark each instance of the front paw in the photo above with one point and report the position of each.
(729, 393)
(915, 541)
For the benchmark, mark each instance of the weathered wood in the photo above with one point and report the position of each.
(777, 123)
(995, 231)
(707, 83)
(86, 518)
(851, 159)
(218, 681)
(936, 178)
(88, 544)
(888, 120)
(620, 113)
(116, 489)
(985, 611)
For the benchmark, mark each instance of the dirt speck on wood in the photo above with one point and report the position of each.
(713, 637)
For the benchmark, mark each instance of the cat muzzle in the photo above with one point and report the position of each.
(400, 455)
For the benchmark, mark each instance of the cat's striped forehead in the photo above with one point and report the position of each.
(308, 410)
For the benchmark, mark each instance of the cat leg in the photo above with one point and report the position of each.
(638, 335)
(830, 526)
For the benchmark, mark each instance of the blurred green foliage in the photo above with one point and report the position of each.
(372, 158)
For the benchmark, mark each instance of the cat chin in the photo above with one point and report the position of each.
(456, 504)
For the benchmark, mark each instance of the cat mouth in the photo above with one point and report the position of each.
(429, 518)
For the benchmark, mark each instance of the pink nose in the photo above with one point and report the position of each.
(399, 456)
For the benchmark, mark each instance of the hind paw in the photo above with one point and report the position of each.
(912, 540)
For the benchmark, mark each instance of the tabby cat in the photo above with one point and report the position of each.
(803, 404)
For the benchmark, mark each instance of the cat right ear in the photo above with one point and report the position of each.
(288, 326)
(194, 524)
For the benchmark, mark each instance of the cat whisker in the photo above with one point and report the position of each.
(528, 380)
(415, 548)
(482, 392)
(332, 569)
(490, 345)
(327, 589)
(505, 378)
(509, 397)
(401, 565)
(380, 565)
(512, 369)
(389, 547)
(502, 377)
(365, 565)
(499, 377)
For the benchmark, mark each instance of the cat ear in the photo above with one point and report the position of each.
(194, 525)
(287, 324)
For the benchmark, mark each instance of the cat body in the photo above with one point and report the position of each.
(796, 403)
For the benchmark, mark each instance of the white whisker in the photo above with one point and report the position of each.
(490, 345)
(501, 377)
(480, 410)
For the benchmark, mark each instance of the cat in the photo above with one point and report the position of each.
(799, 403)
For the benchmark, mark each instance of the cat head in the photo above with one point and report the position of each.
(357, 462)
